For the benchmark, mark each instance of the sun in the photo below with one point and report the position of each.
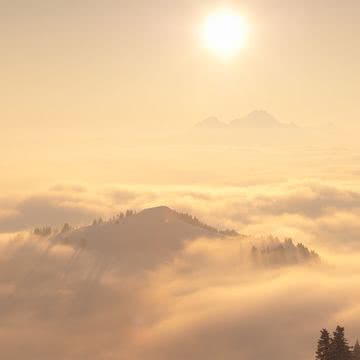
(225, 32)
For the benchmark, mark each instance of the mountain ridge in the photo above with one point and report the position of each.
(145, 238)
(255, 119)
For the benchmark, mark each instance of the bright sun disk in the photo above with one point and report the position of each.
(225, 32)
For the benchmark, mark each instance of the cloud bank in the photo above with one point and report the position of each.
(206, 302)
(312, 211)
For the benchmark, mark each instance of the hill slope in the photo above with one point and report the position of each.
(140, 240)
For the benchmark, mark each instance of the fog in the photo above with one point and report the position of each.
(162, 201)
(205, 301)
(152, 294)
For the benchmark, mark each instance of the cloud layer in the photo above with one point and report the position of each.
(312, 211)
(206, 301)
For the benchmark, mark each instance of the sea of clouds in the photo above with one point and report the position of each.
(204, 302)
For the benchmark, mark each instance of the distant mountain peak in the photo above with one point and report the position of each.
(255, 119)
(211, 123)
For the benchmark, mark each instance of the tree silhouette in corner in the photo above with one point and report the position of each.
(336, 347)
(324, 344)
(356, 351)
(339, 349)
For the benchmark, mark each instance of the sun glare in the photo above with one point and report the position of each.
(225, 33)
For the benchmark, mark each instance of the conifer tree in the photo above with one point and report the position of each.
(323, 348)
(356, 351)
(339, 348)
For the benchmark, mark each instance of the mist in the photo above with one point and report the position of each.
(179, 180)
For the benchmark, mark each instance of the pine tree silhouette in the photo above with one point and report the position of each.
(323, 348)
(356, 351)
(339, 348)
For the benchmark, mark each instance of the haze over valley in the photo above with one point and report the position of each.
(179, 180)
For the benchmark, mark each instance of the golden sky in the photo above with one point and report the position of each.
(85, 82)
(99, 99)
(115, 64)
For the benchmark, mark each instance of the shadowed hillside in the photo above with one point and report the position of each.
(140, 240)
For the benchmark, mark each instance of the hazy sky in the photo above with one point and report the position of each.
(110, 64)
(98, 105)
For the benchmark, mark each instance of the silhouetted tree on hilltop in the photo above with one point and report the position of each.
(274, 253)
(66, 228)
(43, 231)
